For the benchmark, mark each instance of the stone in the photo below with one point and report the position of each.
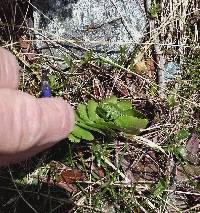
(99, 25)
(171, 70)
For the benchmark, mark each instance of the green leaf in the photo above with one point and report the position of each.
(108, 111)
(53, 79)
(180, 153)
(100, 125)
(124, 105)
(82, 112)
(153, 11)
(68, 60)
(160, 187)
(73, 138)
(108, 126)
(94, 127)
(123, 53)
(88, 56)
(82, 133)
(171, 100)
(91, 110)
(153, 89)
(131, 123)
(112, 99)
(134, 113)
(182, 134)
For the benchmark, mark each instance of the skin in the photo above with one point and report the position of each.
(27, 125)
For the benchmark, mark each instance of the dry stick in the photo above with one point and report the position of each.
(169, 204)
(100, 42)
(20, 194)
(182, 23)
(158, 54)
(160, 69)
(155, 33)
(196, 208)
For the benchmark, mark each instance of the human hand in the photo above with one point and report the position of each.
(27, 125)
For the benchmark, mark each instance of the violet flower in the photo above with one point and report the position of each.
(45, 90)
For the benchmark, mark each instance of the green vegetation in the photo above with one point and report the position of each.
(105, 117)
(154, 10)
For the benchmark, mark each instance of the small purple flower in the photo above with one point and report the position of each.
(46, 90)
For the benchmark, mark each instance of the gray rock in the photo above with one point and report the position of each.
(101, 25)
(171, 70)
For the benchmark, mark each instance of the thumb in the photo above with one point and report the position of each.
(29, 125)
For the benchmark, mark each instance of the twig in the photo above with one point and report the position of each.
(20, 194)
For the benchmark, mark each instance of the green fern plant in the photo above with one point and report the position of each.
(107, 118)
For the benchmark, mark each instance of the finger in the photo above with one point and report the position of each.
(33, 124)
(9, 70)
